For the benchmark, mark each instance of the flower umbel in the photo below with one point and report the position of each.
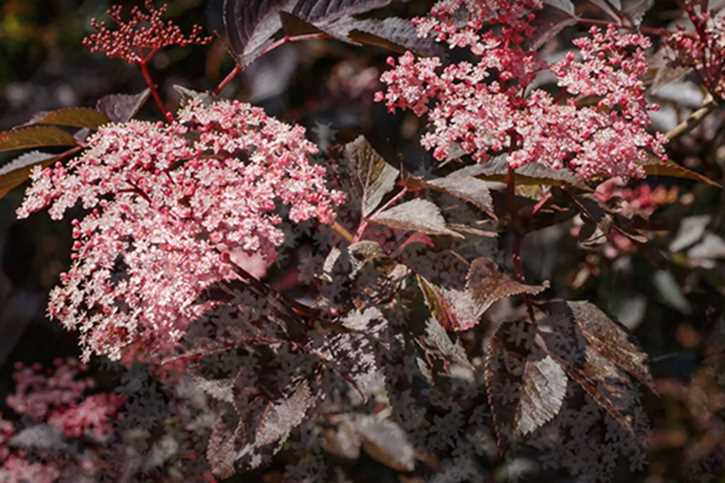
(171, 206)
(486, 107)
(138, 38)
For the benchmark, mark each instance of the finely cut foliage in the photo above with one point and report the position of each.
(257, 307)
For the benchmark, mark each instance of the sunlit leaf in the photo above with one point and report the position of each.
(34, 137)
(386, 442)
(525, 386)
(373, 174)
(81, 117)
(415, 215)
(466, 188)
(487, 285)
(497, 169)
(654, 166)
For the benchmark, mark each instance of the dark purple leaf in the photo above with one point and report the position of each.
(525, 386)
(122, 107)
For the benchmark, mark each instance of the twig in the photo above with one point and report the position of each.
(343, 232)
(278, 43)
(693, 120)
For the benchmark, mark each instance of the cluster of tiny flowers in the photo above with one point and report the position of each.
(136, 39)
(15, 467)
(484, 108)
(704, 49)
(640, 200)
(56, 397)
(170, 208)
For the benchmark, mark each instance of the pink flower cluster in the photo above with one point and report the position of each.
(704, 49)
(137, 39)
(486, 108)
(172, 209)
(56, 397)
(640, 200)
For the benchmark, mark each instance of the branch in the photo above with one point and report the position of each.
(278, 43)
(694, 119)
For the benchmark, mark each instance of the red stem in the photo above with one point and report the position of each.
(154, 92)
(516, 244)
(276, 44)
(225, 82)
(366, 221)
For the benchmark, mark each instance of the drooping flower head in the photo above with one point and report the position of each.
(136, 39)
(170, 208)
(486, 107)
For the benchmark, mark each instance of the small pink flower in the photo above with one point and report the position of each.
(483, 108)
(166, 203)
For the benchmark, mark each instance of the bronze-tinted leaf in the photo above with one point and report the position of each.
(220, 452)
(122, 107)
(626, 12)
(496, 169)
(386, 442)
(525, 386)
(610, 340)
(487, 285)
(81, 117)
(396, 34)
(281, 417)
(455, 310)
(373, 174)
(441, 350)
(415, 215)
(595, 353)
(466, 188)
(34, 137)
(654, 166)
(459, 310)
(250, 26)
